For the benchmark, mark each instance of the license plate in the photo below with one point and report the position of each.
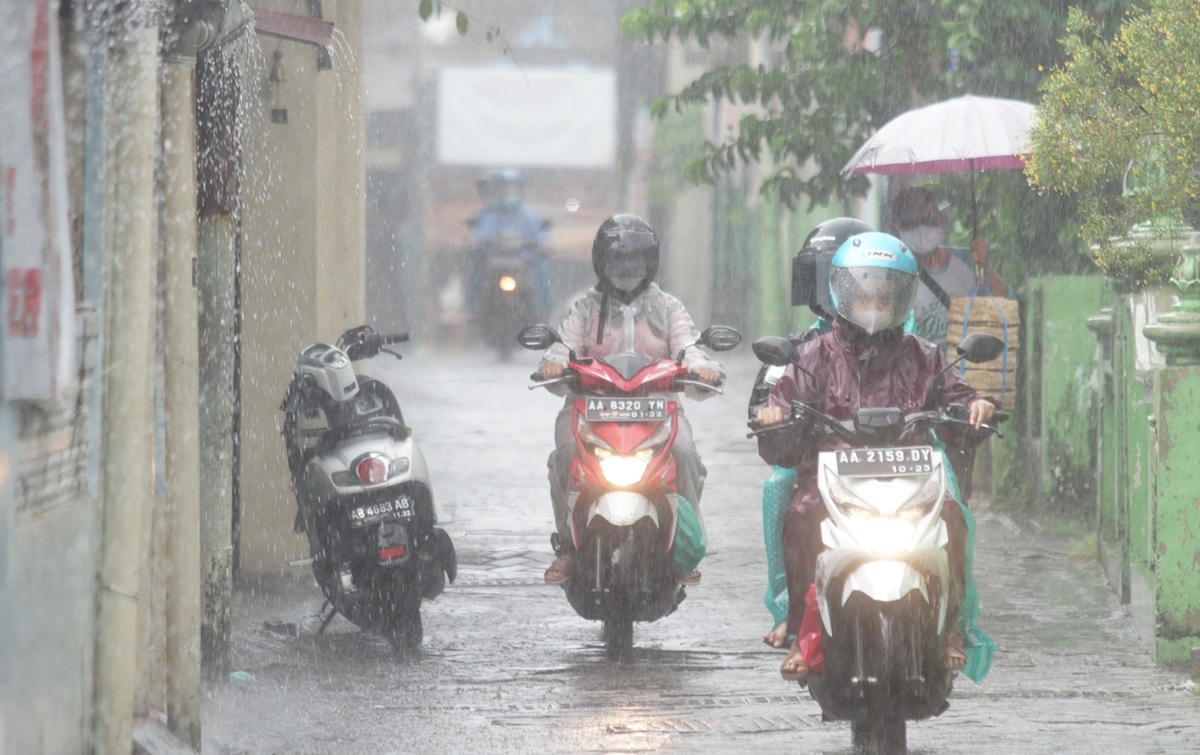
(382, 511)
(885, 462)
(625, 409)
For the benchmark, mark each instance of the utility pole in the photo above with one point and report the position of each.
(128, 362)
(218, 158)
(181, 394)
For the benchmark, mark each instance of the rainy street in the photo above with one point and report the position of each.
(507, 666)
(226, 506)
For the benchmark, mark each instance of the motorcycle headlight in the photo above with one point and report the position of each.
(921, 503)
(914, 513)
(856, 512)
(659, 436)
(621, 469)
(887, 535)
(845, 501)
(508, 283)
(589, 436)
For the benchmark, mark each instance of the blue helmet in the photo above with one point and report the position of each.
(873, 280)
(510, 188)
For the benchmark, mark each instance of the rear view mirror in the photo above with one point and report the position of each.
(720, 338)
(775, 351)
(538, 337)
(980, 347)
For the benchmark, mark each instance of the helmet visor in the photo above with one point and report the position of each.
(630, 255)
(873, 298)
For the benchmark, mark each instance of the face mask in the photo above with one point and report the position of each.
(626, 284)
(923, 239)
(511, 203)
(872, 320)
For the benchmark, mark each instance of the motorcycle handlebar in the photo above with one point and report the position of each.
(698, 384)
(397, 338)
(840, 429)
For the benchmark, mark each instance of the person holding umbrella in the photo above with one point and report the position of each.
(946, 272)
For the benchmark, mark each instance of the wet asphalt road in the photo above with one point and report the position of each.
(508, 667)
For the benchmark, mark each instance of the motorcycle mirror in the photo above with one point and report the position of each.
(980, 347)
(720, 338)
(774, 351)
(538, 337)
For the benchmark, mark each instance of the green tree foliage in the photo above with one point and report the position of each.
(1119, 128)
(829, 86)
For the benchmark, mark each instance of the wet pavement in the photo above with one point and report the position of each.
(507, 666)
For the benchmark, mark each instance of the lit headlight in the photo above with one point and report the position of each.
(623, 470)
(887, 535)
(913, 514)
(856, 512)
(845, 501)
(508, 283)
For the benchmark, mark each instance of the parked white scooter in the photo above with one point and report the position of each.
(363, 491)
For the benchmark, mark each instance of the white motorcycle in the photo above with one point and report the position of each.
(882, 580)
(363, 491)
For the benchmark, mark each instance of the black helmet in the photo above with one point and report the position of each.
(625, 256)
(810, 268)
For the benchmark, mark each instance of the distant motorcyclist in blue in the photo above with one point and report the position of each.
(507, 215)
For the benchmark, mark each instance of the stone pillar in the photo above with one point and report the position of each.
(1176, 466)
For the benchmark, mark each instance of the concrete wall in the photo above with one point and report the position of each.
(48, 585)
(302, 253)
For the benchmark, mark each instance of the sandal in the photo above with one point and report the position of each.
(690, 579)
(955, 658)
(559, 571)
(777, 637)
(794, 669)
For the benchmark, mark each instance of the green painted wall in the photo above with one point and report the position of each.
(1177, 515)
(1059, 355)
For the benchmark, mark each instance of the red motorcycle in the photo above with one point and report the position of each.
(622, 503)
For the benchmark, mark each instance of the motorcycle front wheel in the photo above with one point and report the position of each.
(885, 733)
(618, 637)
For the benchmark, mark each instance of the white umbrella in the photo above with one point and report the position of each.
(967, 133)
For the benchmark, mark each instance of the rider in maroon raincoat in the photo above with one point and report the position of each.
(857, 369)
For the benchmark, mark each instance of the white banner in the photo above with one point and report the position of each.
(536, 117)
(35, 253)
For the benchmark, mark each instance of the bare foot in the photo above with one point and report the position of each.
(955, 658)
(777, 637)
(794, 668)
